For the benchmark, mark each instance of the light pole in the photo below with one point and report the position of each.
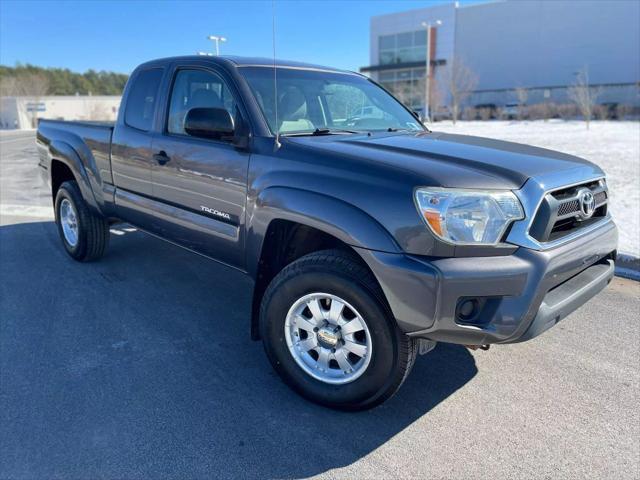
(217, 40)
(427, 83)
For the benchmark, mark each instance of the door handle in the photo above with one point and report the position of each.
(161, 157)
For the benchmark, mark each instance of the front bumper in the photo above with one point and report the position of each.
(526, 292)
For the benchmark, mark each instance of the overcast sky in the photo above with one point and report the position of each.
(117, 35)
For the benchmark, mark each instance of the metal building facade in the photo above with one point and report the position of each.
(539, 45)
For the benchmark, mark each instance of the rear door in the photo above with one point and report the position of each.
(201, 183)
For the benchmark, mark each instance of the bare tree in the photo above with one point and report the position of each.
(522, 94)
(408, 91)
(9, 86)
(32, 85)
(27, 85)
(584, 95)
(35, 86)
(460, 82)
(543, 111)
(403, 91)
(438, 99)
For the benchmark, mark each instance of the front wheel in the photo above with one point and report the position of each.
(329, 334)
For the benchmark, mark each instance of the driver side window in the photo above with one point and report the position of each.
(197, 89)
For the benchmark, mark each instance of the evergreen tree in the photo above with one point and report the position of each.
(60, 81)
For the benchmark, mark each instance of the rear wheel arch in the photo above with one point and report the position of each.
(60, 173)
(63, 153)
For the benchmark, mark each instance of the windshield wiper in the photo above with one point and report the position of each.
(319, 132)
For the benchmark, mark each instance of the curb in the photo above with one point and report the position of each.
(628, 266)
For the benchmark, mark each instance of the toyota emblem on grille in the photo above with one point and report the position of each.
(587, 204)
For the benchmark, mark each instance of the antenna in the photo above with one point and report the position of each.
(275, 74)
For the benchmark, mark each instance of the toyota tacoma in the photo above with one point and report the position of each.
(368, 237)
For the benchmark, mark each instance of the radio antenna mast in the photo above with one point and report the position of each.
(275, 74)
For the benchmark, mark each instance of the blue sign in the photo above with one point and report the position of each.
(36, 107)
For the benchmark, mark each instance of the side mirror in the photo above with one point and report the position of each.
(209, 123)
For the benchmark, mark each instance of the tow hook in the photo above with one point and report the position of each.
(476, 347)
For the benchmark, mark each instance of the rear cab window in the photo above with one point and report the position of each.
(142, 99)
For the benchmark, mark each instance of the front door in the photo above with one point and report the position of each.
(201, 183)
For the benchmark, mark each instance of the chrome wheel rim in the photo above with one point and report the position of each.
(328, 338)
(69, 222)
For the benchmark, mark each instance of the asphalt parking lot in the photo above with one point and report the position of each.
(141, 366)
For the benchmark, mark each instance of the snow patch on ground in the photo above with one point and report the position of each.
(614, 146)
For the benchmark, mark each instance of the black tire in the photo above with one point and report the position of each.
(342, 274)
(93, 229)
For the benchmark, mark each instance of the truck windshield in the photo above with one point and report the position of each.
(330, 102)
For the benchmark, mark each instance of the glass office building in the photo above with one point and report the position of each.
(536, 45)
(402, 47)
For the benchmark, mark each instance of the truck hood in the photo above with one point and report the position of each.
(448, 160)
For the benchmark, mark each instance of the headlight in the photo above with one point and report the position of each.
(478, 217)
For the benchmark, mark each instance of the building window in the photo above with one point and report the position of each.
(387, 42)
(420, 37)
(402, 47)
(407, 85)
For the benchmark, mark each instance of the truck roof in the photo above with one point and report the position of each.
(236, 61)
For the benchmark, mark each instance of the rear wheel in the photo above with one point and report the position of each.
(329, 334)
(84, 234)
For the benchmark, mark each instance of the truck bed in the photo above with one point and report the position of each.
(91, 140)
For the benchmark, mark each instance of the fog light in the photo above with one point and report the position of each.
(477, 311)
(467, 309)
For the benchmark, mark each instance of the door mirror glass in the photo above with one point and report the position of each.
(213, 123)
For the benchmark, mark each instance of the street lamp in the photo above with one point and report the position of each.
(427, 88)
(217, 40)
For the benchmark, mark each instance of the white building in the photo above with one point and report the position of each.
(23, 112)
(539, 45)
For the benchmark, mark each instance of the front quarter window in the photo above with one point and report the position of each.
(309, 100)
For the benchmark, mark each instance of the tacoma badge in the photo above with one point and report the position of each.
(217, 213)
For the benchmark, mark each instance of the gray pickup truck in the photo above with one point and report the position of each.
(368, 237)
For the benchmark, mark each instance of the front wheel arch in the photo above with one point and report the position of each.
(284, 243)
(337, 218)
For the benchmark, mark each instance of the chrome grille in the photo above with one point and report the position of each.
(601, 197)
(568, 207)
(561, 212)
